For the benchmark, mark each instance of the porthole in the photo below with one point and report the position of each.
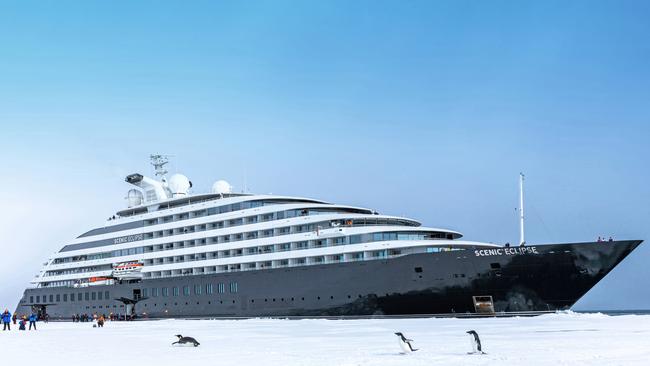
(318, 297)
(331, 297)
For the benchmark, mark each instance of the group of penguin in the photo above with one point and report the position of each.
(407, 347)
(404, 343)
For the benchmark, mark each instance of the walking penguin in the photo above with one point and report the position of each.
(185, 340)
(404, 343)
(476, 342)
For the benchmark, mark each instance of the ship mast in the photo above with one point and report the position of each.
(159, 161)
(522, 240)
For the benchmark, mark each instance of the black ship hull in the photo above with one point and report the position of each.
(477, 280)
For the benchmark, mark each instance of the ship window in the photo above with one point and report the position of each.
(495, 265)
(418, 269)
(222, 288)
(154, 292)
(145, 292)
(186, 290)
(100, 295)
(106, 295)
(355, 239)
(233, 287)
(165, 291)
(208, 288)
(79, 296)
(93, 295)
(175, 291)
(197, 289)
(31, 299)
(51, 298)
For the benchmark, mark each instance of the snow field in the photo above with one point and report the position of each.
(554, 339)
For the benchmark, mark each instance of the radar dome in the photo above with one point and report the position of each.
(134, 198)
(221, 187)
(179, 185)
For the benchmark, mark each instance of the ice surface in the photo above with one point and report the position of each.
(554, 339)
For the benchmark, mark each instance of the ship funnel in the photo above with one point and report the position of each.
(153, 189)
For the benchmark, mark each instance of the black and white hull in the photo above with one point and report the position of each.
(476, 280)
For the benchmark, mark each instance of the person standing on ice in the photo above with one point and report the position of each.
(6, 320)
(32, 321)
(14, 318)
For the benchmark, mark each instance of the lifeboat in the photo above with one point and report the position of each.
(128, 270)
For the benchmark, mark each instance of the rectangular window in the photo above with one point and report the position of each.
(222, 288)
(186, 290)
(38, 298)
(106, 295)
(355, 239)
(58, 298)
(165, 291)
(154, 292)
(51, 298)
(93, 295)
(233, 287)
(145, 292)
(71, 297)
(197, 289)
(31, 299)
(79, 296)
(65, 297)
(100, 295)
(175, 291)
(208, 288)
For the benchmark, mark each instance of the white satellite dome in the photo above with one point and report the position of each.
(221, 187)
(134, 198)
(179, 185)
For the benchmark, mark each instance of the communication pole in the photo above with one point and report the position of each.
(522, 240)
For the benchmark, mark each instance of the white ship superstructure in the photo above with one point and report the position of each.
(171, 232)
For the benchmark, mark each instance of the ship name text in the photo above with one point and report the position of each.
(128, 239)
(506, 251)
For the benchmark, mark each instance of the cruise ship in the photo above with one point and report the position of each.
(172, 253)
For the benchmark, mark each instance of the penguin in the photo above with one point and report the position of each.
(476, 342)
(404, 343)
(184, 340)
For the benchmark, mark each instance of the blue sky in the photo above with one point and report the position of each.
(426, 109)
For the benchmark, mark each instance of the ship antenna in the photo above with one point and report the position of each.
(522, 240)
(159, 161)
